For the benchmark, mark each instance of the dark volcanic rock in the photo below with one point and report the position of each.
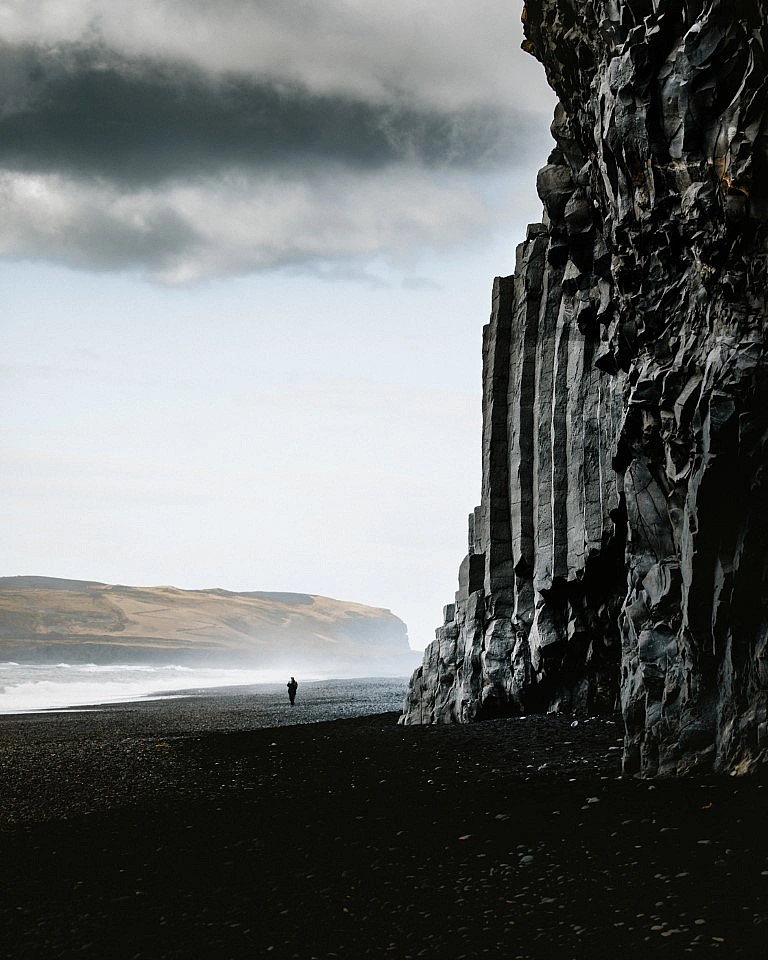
(622, 531)
(150, 835)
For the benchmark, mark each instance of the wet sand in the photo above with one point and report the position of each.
(176, 830)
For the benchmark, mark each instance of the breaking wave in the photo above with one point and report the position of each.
(29, 687)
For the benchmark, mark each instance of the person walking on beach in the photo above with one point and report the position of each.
(292, 687)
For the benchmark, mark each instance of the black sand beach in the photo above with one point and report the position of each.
(180, 829)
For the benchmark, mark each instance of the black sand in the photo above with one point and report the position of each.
(141, 832)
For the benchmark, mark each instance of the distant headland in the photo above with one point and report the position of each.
(47, 620)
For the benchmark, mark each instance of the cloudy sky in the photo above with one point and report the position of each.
(246, 252)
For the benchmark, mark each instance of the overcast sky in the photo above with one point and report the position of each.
(247, 249)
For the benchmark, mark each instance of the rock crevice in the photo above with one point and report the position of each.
(618, 556)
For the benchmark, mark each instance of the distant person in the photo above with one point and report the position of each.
(292, 688)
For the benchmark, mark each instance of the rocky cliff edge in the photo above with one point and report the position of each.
(618, 556)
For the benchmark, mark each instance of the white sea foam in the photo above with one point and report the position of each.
(29, 687)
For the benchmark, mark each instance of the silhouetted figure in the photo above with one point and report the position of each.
(292, 687)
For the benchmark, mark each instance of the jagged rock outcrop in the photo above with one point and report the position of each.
(619, 555)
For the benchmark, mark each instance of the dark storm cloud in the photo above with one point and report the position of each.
(192, 140)
(87, 111)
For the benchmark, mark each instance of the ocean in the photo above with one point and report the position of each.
(29, 687)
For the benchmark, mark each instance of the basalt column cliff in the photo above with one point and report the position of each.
(619, 554)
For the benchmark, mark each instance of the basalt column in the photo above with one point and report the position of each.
(619, 555)
(534, 622)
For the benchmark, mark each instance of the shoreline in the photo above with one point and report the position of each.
(248, 688)
(149, 839)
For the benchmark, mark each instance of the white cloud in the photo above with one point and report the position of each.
(447, 55)
(189, 230)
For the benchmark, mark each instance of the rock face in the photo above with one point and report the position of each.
(619, 554)
(46, 620)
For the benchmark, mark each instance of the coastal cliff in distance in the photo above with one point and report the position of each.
(619, 556)
(45, 620)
